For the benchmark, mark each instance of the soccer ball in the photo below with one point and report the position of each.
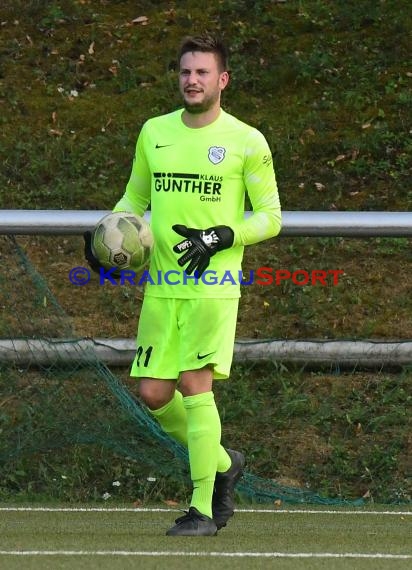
(123, 241)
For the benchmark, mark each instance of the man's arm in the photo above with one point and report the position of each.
(260, 181)
(137, 194)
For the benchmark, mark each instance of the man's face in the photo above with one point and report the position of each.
(201, 81)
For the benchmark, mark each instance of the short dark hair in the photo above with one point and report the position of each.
(206, 43)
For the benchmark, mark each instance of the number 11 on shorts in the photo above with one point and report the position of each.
(147, 354)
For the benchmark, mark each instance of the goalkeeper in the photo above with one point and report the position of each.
(195, 166)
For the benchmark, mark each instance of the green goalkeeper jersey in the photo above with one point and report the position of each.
(199, 177)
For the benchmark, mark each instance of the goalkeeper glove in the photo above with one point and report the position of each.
(92, 260)
(200, 245)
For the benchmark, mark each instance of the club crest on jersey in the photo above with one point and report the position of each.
(216, 154)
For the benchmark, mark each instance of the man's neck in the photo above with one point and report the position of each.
(199, 120)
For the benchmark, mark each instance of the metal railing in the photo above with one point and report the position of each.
(310, 224)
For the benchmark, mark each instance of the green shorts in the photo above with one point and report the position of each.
(175, 335)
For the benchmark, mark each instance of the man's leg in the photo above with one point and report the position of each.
(173, 419)
(203, 441)
(193, 420)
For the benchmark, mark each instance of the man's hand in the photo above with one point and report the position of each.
(200, 245)
(92, 260)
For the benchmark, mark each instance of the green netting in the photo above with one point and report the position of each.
(57, 414)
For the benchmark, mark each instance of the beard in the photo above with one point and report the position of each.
(201, 107)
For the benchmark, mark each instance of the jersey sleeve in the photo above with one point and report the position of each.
(136, 197)
(260, 181)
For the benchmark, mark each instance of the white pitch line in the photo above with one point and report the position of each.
(169, 510)
(372, 555)
(325, 512)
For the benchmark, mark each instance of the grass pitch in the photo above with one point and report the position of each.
(79, 538)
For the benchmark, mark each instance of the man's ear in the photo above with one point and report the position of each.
(223, 80)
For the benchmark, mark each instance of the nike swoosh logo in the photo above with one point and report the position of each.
(162, 145)
(202, 356)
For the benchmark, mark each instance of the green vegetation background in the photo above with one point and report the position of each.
(329, 84)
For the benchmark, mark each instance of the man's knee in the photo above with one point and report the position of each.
(156, 393)
(194, 382)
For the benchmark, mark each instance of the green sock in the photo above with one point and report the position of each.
(203, 435)
(223, 461)
(173, 419)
